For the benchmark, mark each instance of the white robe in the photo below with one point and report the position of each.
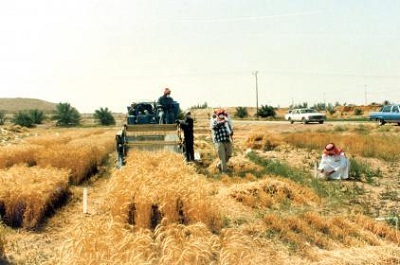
(339, 163)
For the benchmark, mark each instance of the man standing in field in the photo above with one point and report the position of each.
(187, 127)
(222, 133)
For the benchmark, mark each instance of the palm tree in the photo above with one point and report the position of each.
(104, 116)
(65, 115)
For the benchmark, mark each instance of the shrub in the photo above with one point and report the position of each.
(266, 111)
(330, 108)
(241, 112)
(200, 106)
(37, 116)
(360, 170)
(23, 118)
(358, 112)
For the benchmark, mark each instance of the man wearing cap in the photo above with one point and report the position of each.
(334, 163)
(166, 101)
(222, 138)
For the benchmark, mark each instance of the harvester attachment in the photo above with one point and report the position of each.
(152, 137)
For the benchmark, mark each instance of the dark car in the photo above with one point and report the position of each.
(387, 114)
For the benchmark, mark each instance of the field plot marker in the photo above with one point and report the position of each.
(85, 199)
(315, 170)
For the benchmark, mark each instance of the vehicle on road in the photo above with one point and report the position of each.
(387, 114)
(305, 115)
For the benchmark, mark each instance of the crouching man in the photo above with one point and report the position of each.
(334, 163)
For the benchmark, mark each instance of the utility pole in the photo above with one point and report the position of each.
(365, 93)
(255, 74)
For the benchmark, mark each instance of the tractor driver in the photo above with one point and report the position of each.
(166, 102)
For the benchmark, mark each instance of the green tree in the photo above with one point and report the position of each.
(37, 116)
(330, 108)
(319, 106)
(241, 112)
(299, 106)
(267, 111)
(23, 118)
(358, 112)
(66, 115)
(104, 116)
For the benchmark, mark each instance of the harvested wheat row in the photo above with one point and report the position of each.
(27, 194)
(271, 192)
(311, 229)
(62, 136)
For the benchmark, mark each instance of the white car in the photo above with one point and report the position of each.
(305, 116)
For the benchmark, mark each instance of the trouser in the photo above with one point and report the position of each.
(189, 150)
(169, 117)
(224, 151)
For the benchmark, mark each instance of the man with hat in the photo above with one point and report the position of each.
(334, 163)
(222, 133)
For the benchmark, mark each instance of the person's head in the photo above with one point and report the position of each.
(188, 113)
(167, 91)
(331, 149)
(220, 114)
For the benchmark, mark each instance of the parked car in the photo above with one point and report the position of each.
(305, 115)
(387, 114)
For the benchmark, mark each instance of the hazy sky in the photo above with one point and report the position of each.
(109, 53)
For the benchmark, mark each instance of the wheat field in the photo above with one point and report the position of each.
(157, 209)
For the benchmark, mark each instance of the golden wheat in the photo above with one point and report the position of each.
(160, 185)
(28, 193)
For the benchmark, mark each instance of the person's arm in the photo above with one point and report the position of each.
(322, 164)
(343, 162)
(217, 124)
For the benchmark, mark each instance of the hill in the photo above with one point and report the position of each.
(13, 105)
